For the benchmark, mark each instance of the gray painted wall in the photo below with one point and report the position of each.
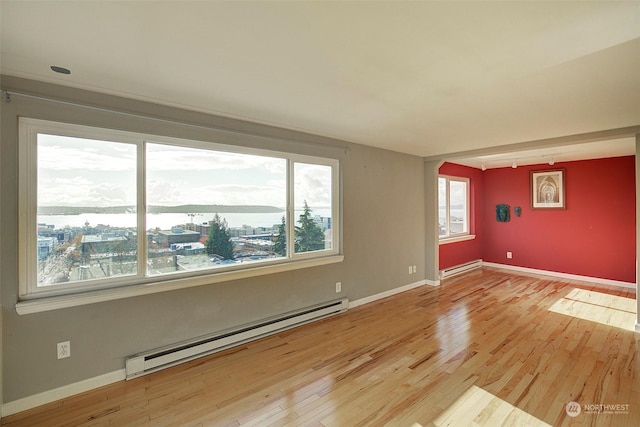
(383, 233)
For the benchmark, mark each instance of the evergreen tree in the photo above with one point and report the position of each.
(219, 241)
(280, 245)
(309, 236)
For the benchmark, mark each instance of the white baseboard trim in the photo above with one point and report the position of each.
(385, 294)
(597, 280)
(49, 396)
(432, 282)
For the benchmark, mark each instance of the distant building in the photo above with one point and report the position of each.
(106, 243)
(46, 246)
(247, 230)
(192, 248)
(176, 235)
(48, 230)
(323, 222)
(203, 229)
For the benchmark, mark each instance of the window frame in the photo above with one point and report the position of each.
(74, 293)
(465, 235)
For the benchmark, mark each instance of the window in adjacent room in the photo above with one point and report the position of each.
(453, 206)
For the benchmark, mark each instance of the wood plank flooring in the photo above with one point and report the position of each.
(487, 348)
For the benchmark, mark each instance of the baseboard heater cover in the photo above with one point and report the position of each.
(164, 357)
(459, 269)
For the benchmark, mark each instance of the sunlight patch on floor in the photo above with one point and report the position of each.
(610, 310)
(478, 407)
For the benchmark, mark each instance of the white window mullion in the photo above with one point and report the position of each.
(290, 210)
(27, 213)
(448, 208)
(467, 216)
(141, 211)
(336, 216)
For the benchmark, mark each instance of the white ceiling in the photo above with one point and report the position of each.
(425, 78)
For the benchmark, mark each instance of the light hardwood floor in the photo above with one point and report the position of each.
(487, 348)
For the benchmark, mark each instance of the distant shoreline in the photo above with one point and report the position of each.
(152, 209)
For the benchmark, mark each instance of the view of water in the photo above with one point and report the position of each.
(165, 221)
(458, 213)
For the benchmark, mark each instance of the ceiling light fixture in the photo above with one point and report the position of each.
(551, 161)
(60, 70)
(514, 164)
(484, 167)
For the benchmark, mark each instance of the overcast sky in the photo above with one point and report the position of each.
(458, 194)
(82, 172)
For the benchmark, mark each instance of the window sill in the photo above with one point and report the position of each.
(38, 305)
(457, 239)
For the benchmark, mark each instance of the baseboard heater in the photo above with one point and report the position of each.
(164, 357)
(462, 268)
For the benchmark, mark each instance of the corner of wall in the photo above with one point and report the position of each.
(432, 261)
(637, 230)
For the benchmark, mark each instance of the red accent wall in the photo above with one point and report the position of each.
(461, 252)
(594, 236)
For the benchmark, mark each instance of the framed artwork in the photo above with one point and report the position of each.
(548, 189)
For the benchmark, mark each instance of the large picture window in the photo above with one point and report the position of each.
(103, 209)
(453, 206)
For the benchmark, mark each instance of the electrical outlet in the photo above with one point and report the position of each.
(414, 269)
(509, 255)
(64, 349)
(338, 287)
(410, 270)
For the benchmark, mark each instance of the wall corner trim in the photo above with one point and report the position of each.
(637, 327)
(65, 391)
